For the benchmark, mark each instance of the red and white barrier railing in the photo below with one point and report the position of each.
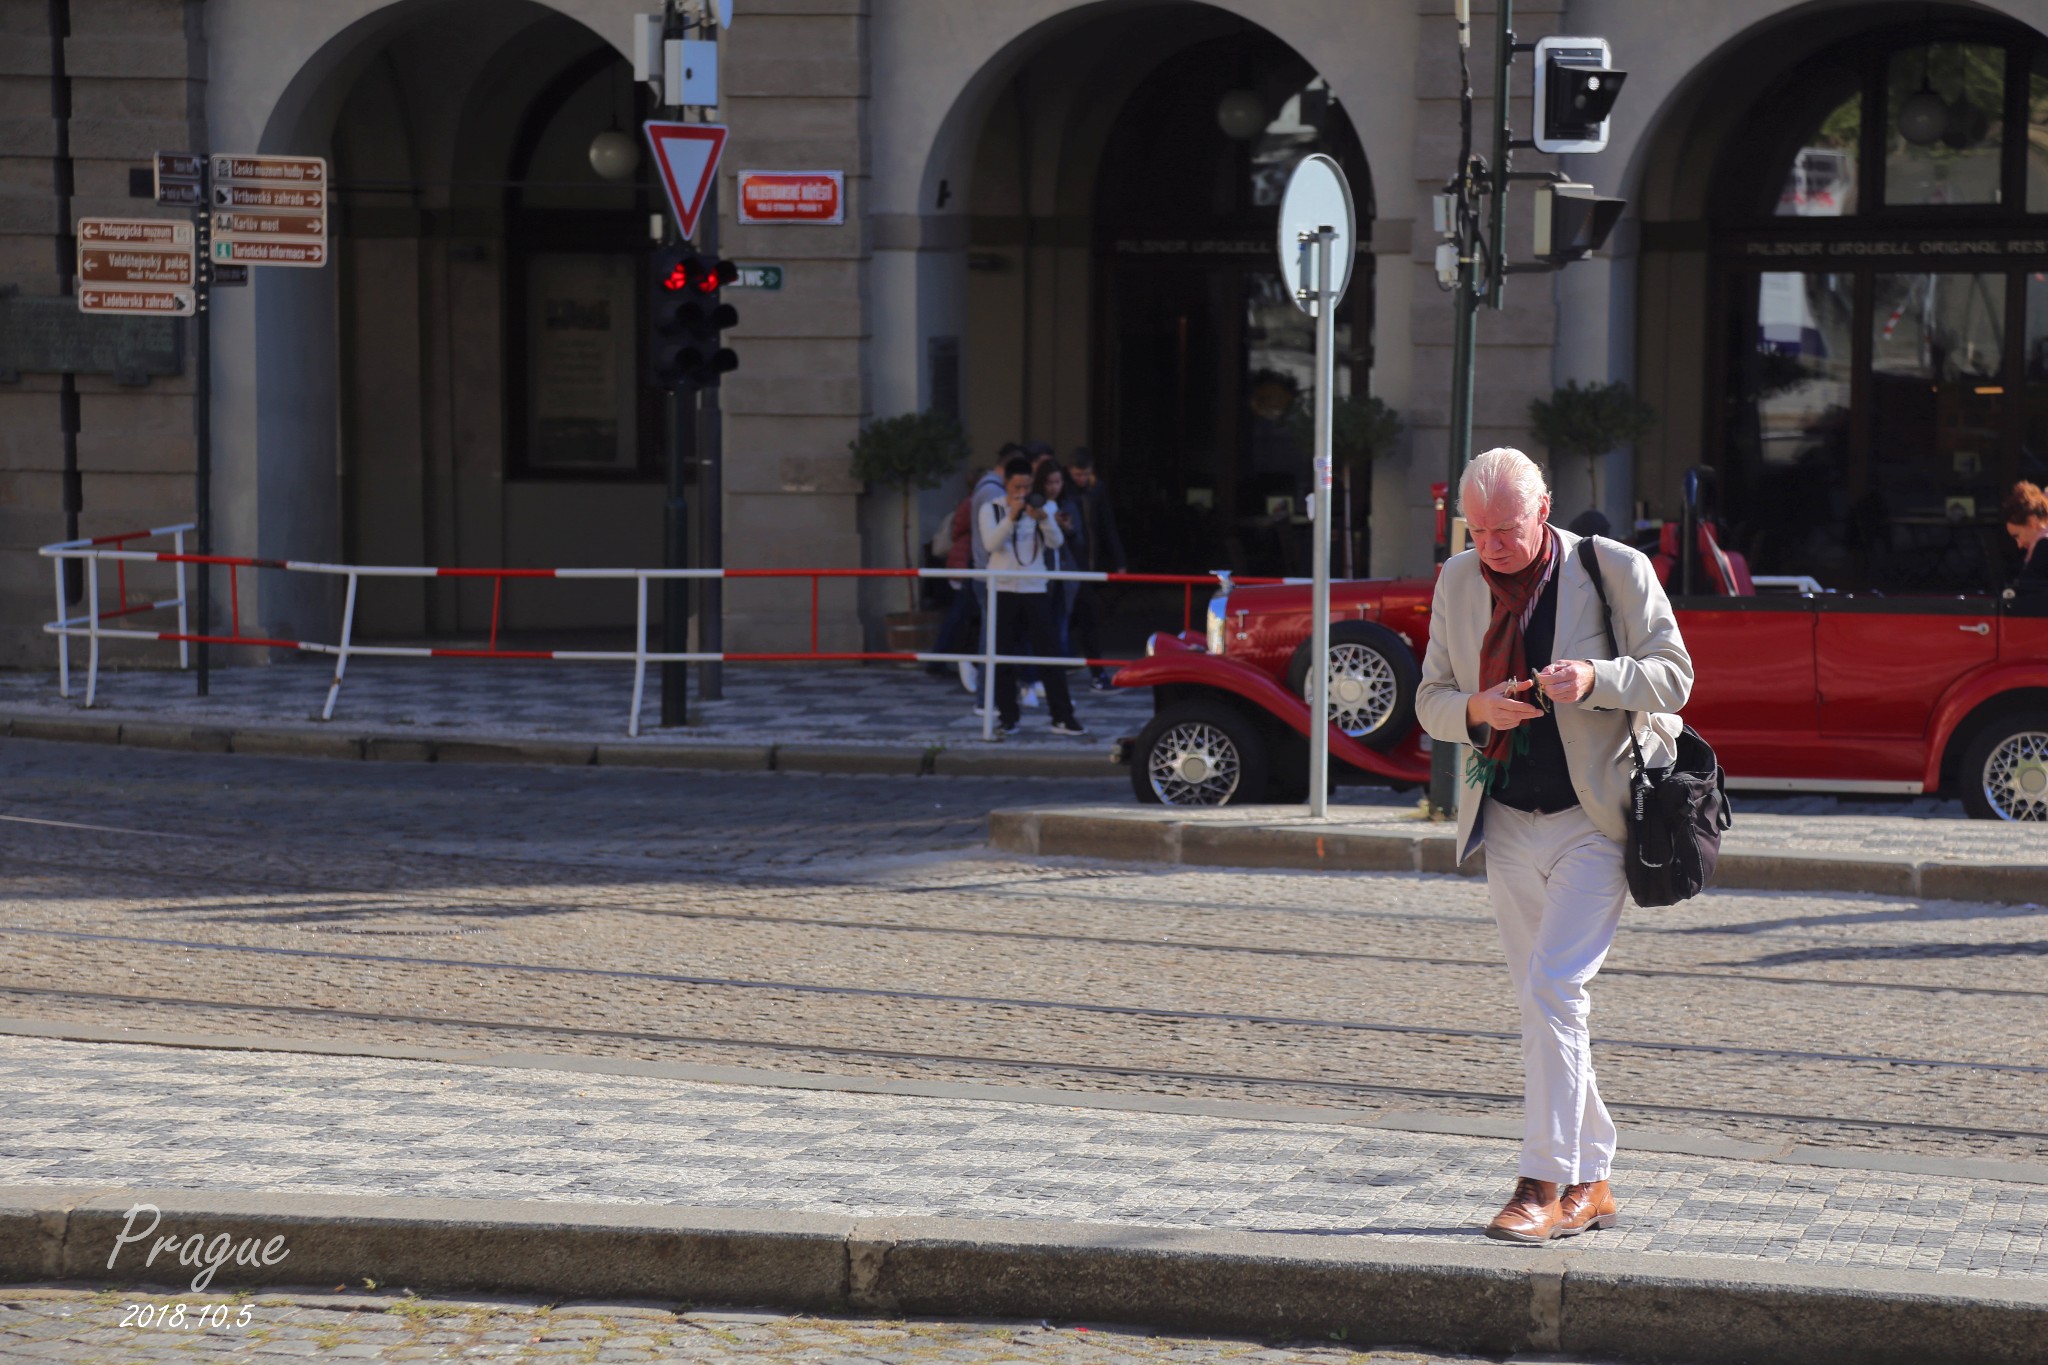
(92, 549)
(114, 550)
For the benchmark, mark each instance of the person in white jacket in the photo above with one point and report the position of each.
(1519, 674)
(1017, 535)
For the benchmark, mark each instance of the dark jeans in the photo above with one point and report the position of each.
(1024, 625)
(1082, 624)
(960, 632)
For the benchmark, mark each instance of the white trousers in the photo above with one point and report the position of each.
(1557, 885)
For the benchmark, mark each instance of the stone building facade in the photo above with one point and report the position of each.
(1034, 239)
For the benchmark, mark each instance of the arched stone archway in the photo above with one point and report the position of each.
(1828, 479)
(991, 233)
(360, 409)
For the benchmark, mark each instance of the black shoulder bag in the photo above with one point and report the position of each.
(1676, 814)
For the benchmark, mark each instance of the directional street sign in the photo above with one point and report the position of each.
(270, 210)
(687, 155)
(153, 303)
(758, 276)
(270, 170)
(291, 198)
(136, 265)
(177, 178)
(269, 252)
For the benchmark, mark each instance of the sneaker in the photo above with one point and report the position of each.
(970, 677)
(1005, 727)
(1032, 695)
(1069, 727)
(1102, 683)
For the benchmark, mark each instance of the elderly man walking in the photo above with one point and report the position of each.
(1519, 670)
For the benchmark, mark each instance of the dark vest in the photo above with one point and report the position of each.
(1540, 780)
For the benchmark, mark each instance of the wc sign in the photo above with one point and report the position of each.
(792, 197)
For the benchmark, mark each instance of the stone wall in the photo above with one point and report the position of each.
(795, 94)
(134, 74)
(1515, 343)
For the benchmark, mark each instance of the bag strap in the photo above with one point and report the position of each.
(1590, 559)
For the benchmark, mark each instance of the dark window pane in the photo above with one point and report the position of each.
(1821, 181)
(1944, 124)
(1937, 428)
(2037, 134)
(1788, 440)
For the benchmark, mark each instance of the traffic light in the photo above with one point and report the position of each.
(1572, 222)
(1576, 85)
(685, 317)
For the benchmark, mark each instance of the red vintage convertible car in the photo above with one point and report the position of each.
(1797, 688)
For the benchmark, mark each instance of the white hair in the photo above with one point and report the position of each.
(1500, 479)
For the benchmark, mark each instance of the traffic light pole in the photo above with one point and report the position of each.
(711, 499)
(682, 453)
(1472, 180)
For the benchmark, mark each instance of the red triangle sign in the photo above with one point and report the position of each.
(687, 155)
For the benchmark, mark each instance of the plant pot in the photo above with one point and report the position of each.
(913, 632)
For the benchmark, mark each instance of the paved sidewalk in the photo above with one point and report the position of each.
(951, 1205)
(283, 1123)
(877, 704)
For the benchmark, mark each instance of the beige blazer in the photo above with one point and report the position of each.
(1653, 677)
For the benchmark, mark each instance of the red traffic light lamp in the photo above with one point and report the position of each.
(685, 317)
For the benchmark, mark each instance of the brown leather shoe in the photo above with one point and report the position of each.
(1531, 1216)
(1586, 1206)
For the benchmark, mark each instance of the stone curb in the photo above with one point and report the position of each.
(894, 760)
(1155, 836)
(1468, 1295)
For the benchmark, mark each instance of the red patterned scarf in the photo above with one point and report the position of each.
(1503, 655)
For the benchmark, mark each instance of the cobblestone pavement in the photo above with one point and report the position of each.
(453, 698)
(87, 1326)
(847, 927)
(85, 1114)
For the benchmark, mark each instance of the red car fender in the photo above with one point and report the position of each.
(1965, 695)
(1189, 667)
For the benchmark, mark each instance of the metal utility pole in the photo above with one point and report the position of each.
(681, 412)
(1474, 178)
(1318, 240)
(711, 487)
(1326, 380)
(202, 411)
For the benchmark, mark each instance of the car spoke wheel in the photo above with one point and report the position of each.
(2015, 776)
(1372, 682)
(1363, 689)
(1194, 764)
(1201, 751)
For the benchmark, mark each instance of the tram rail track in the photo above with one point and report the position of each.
(905, 995)
(448, 898)
(1508, 1102)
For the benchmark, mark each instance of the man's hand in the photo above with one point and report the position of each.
(1567, 681)
(1035, 513)
(1015, 502)
(1497, 707)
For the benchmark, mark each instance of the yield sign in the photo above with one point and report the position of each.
(687, 154)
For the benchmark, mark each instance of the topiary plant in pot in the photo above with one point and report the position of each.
(917, 450)
(1589, 420)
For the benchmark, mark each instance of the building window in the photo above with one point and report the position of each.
(1881, 267)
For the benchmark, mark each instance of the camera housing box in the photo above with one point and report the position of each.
(1576, 85)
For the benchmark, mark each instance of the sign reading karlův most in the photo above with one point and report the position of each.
(49, 335)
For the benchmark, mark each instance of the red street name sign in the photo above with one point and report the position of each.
(792, 197)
